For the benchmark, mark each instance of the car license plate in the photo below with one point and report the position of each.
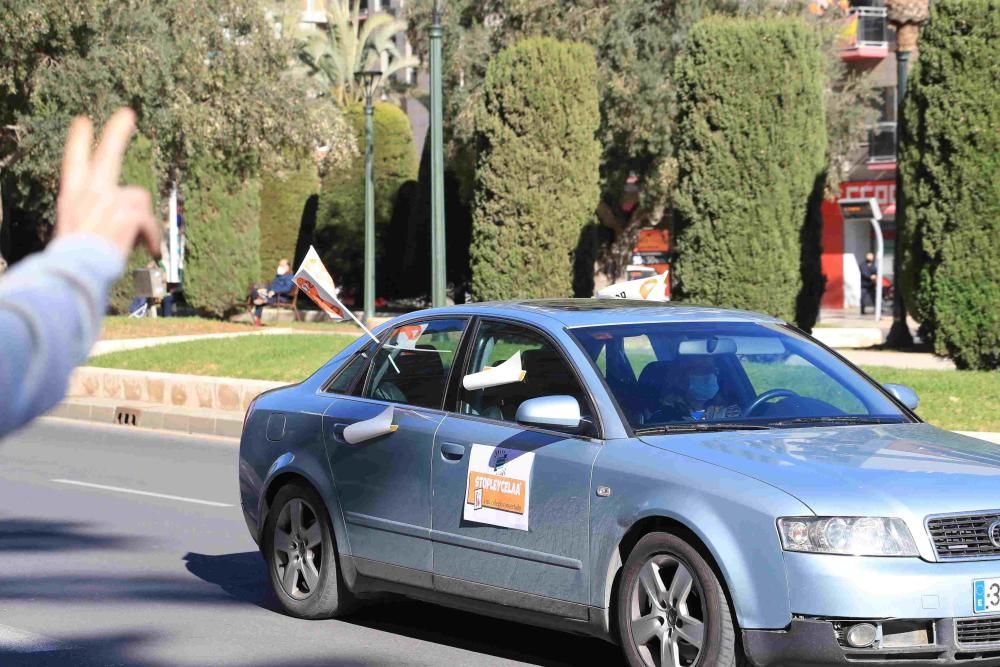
(986, 595)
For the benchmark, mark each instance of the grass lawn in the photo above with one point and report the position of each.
(959, 400)
(116, 328)
(287, 358)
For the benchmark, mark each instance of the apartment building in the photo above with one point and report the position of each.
(868, 43)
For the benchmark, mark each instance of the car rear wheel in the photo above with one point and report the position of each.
(302, 558)
(672, 610)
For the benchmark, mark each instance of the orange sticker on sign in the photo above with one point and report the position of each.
(499, 493)
(498, 488)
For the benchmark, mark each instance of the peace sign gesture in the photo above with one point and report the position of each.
(90, 199)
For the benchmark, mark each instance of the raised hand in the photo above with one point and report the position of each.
(90, 199)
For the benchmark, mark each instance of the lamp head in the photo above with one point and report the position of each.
(369, 80)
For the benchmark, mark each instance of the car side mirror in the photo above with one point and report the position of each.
(904, 395)
(556, 412)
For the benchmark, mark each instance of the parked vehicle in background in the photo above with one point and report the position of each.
(701, 486)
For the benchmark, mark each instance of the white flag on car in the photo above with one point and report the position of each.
(316, 283)
(313, 279)
(653, 288)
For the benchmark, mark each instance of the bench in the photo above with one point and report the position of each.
(292, 305)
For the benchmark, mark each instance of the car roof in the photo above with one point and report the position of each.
(588, 312)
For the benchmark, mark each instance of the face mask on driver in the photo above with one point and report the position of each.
(703, 387)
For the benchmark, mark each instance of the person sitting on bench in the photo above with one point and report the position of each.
(279, 291)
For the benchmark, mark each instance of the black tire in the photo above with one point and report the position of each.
(328, 596)
(678, 619)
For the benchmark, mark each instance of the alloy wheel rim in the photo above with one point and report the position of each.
(667, 613)
(298, 549)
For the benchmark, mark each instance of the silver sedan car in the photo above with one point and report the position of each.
(701, 486)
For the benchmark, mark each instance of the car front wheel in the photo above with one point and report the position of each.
(301, 556)
(672, 610)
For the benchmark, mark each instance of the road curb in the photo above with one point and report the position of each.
(171, 390)
(194, 404)
(149, 416)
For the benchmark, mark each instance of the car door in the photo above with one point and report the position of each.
(529, 548)
(383, 483)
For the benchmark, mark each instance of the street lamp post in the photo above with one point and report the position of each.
(369, 80)
(907, 16)
(438, 258)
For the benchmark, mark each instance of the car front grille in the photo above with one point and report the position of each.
(978, 630)
(964, 536)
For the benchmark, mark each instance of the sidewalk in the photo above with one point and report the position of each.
(840, 328)
(897, 359)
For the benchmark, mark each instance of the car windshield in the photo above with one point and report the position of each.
(702, 375)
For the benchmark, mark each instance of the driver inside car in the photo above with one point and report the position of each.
(693, 393)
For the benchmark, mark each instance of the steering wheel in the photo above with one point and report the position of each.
(767, 396)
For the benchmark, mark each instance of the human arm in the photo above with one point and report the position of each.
(282, 285)
(51, 304)
(51, 307)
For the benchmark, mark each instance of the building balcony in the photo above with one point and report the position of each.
(882, 147)
(865, 34)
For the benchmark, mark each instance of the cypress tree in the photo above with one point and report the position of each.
(537, 173)
(949, 230)
(750, 147)
(284, 207)
(138, 168)
(222, 230)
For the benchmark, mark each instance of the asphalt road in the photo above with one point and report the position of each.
(91, 575)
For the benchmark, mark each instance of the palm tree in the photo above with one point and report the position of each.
(350, 43)
(907, 16)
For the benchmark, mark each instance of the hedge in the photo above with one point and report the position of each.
(340, 221)
(222, 231)
(284, 209)
(537, 180)
(750, 147)
(138, 168)
(949, 220)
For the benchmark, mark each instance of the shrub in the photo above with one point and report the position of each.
(221, 221)
(340, 222)
(949, 225)
(751, 144)
(537, 180)
(138, 168)
(284, 209)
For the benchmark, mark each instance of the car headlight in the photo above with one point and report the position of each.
(846, 535)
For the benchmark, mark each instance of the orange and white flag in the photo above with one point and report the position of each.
(316, 283)
(653, 288)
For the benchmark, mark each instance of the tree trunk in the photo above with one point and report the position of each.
(613, 257)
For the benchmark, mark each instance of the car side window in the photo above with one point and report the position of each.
(546, 372)
(350, 373)
(412, 365)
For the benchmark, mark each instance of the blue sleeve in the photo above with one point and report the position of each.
(51, 306)
(282, 284)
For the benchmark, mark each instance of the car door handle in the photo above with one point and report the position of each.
(451, 451)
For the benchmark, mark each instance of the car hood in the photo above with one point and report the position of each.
(905, 470)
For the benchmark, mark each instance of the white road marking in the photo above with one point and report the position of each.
(22, 641)
(136, 492)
